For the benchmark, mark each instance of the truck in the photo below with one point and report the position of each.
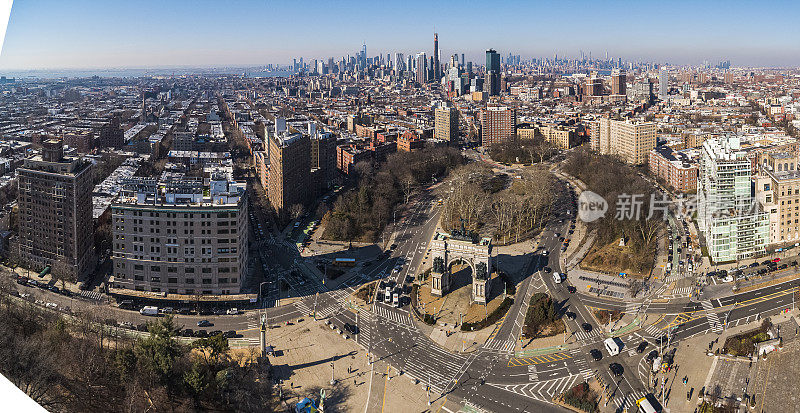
(149, 310)
(611, 346)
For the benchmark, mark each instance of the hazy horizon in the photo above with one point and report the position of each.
(86, 35)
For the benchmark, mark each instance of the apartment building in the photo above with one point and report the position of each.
(563, 137)
(728, 215)
(446, 124)
(55, 213)
(288, 175)
(497, 125)
(674, 167)
(409, 142)
(180, 235)
(778, 192)
(630, 140)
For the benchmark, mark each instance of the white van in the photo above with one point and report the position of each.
(396, 300)
(557, 277)
(611, 346)
(387, 296)
(149, 310)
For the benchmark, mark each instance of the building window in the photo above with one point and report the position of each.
(206, 280)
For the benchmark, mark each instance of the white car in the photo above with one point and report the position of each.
(233, 311)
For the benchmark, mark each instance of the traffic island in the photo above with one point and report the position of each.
(584, 397)
(457, 307)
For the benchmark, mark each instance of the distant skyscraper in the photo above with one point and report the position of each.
(463, 62)
(618, 82)
(436, 74)
(422, 68)
(363, 58)
(663, 83)
(492, 84)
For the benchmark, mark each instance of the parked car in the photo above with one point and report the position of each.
(187, 332)
(215, 333)
(230, 334)
(149, 310)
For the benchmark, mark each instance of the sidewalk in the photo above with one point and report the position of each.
(452, 339)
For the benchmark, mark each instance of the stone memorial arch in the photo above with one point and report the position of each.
(461, 246)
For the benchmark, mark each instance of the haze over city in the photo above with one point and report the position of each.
(135, 34)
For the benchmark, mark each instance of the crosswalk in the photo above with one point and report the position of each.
(654, 331)
(92, 295)
(499, 344)
(582, 335)
(398, 317)
(678, 293)
(713, 318)
(624, 401)
(584, 370)
(543, 391)
(637, 307)
(304, 309)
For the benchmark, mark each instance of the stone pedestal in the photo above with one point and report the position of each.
(479, 291)
(437, 284)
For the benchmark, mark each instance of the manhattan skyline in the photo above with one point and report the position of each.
(84, 35)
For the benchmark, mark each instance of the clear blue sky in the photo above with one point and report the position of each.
(144, 33)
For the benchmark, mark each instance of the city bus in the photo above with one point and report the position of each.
(645, 405)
